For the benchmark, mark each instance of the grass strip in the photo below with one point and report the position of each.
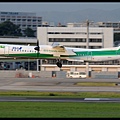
(59, 110)
(62, 94)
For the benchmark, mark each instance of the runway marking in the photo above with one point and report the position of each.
(102, 99)
(92, 99)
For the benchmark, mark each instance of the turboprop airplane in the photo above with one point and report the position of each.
(59, 52)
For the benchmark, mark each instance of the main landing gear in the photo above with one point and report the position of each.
(59, 64)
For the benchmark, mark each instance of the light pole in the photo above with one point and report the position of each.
(87, 46)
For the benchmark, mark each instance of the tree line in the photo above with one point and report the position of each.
(10, 29)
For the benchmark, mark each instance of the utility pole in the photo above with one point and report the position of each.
(87, 46)
(87, 40)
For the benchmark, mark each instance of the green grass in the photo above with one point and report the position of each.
(59, 110)
(62, 94)
(96, 84)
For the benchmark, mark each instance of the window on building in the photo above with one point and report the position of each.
(29, 20)
(34, 20)
(2, 19)
(23, 19)
(18, 19)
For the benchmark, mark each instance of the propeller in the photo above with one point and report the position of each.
(37, 48)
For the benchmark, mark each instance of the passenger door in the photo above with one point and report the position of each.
(89, 55)
(6, 50)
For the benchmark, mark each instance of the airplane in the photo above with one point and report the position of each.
(59, 52)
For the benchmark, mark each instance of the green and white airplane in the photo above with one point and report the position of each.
(59, 52)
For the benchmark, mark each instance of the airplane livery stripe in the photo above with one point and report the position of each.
(98, 53)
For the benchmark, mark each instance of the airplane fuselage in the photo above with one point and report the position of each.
(69, 53)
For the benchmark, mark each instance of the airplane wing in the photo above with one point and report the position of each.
(57, 45)
(68, 52)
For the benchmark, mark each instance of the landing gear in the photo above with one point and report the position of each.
(59, 64)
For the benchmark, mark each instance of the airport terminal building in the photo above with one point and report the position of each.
(76, 36)
(99, 37)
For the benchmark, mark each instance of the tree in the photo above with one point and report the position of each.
(28, 32)
(7, 28)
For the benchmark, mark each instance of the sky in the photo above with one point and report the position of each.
(55, 6)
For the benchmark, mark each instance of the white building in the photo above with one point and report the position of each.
(76, 36)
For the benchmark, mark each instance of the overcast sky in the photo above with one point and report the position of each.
(55, 6)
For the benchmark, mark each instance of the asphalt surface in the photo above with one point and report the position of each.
(56, 84)
(36, 99)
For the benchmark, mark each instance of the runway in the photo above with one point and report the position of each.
(38, 99)
(55, 85)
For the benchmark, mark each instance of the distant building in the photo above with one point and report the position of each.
(45, 24)
(97, 24)
(23, 19)
(115, 25)
(109, 24)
